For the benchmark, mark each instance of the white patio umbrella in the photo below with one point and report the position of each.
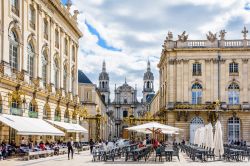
(154, 127)
(197, 136)
(209, 136)
(201, 136)
(218, 140)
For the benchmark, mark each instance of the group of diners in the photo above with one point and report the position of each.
(135, 151)
(28, 148)
(231, 152)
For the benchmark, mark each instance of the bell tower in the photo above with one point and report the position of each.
(148, 86)
(104, 84)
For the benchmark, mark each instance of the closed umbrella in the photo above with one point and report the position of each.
(218, 140)
(201, 136)
(209, 136)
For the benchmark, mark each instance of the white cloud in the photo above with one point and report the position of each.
(139, 28)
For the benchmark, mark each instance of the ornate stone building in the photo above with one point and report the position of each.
(91, 99)
(38, 70)
(205, 80)
(125, 100)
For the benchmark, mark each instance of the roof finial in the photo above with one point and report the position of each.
(125, 80)
(244, 31)
(69, 4)
(103, 66)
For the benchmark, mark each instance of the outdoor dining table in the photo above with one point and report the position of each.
(169, 154)
(136, 152)
(203, 153)
(237, 152)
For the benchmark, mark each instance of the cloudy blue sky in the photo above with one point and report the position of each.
(125, 33)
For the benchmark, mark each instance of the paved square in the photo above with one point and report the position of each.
(85, 158)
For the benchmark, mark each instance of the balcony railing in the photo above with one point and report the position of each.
(57, 118)
(33, 114)
(16, 111)
(74, 121)
(196, 73)
(194, 106)
(15, 10)
(66, 120)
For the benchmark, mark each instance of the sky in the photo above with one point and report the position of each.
(127, 33)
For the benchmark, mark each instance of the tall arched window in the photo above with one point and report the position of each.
(233, 93)
(233, 128)
(57, 114)
(44, 67)
(14, 7)
(65, 75)
(73, 53)
(13, 50)
(57, 39)
(73, 82)
(125, 113)
(196, 93)
(56, 73)
(65, 46)
(66, 116)
(30, 64)
(32, 17)
(45, 29)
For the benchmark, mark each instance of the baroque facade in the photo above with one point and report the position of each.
(38, 70)
(125, 100)
(205, 80)
(91, 99)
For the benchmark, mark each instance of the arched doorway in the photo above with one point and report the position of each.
(125, 132)
(195, 123)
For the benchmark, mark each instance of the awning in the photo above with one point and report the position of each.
(69, 127)
(29, 126)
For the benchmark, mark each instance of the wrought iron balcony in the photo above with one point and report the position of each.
(33, 114)
(16, 111)
(57, 118)
(209, 106)
(234, 106)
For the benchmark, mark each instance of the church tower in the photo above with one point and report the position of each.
(148, 86)
(104, 84)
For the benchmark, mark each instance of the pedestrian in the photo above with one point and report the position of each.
(70, 148)
(91, 144)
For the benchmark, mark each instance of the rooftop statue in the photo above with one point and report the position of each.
(211, 37)
(183, 37)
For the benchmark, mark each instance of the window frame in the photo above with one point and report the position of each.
(197, 69)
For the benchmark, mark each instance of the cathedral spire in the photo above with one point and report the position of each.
(103, 66)
(148, 67)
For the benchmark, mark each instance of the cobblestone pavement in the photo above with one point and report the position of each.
(85, 158)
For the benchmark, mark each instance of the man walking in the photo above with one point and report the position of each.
(70, 144)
